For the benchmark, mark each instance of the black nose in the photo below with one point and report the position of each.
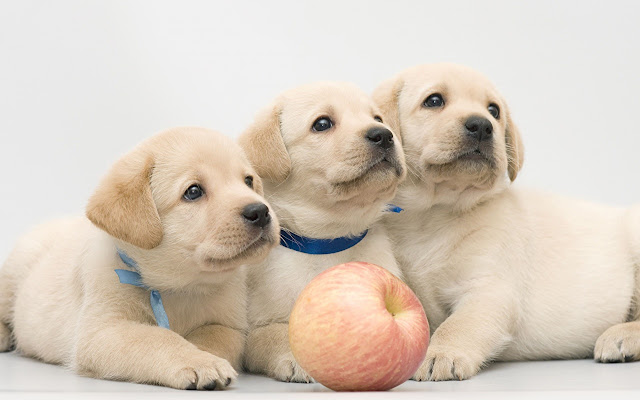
(479, 128)
(380, 137)
(257, 214)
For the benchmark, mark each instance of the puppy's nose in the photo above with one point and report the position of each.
(380, 137)
(257, 214)
(479, 128)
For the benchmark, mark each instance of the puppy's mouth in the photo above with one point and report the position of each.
(471, 161)
(475, 155)
(250, 249)
(381, 165)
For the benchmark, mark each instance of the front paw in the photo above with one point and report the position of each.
(446, 364)
(286, 369)
(620, 343)
(204, 372)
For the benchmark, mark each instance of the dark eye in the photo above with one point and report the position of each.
(249, 181)
(434, 100)
(193, 193)
(322, 124)
(494, 110)
(377, 118)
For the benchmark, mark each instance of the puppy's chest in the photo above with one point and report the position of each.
(188, 312)
(295, 269)
(424, 250)
(275, 285)
(429, 256)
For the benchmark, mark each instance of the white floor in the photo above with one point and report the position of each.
(25, 378)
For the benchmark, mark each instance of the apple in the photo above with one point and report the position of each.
(358, 327)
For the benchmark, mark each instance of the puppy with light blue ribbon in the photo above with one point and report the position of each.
(150, 287)
(330, 165)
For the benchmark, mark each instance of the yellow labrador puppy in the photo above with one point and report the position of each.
(503, 273)
(178, 216)
(329, 166)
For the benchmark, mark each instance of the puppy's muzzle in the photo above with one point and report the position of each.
(380, 137)
(477, 146)
(478, 128)
(383, 147)
(256, 214)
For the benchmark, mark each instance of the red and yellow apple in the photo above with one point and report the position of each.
(358, 327)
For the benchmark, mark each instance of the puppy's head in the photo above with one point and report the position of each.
(328, 160)
(456, 129)
(188, 206)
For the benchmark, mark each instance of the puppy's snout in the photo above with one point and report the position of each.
(478, 128)
(257, 214)
(379, 136)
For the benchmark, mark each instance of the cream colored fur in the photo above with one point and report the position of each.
(62, 302)
(321, 185)
(503, 273)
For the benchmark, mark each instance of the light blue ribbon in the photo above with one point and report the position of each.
(307, 245)
(134, 278)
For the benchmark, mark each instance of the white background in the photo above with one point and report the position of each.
(81, 82)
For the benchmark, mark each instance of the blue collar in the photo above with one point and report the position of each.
(318, 246)
(324, 246)
(134, 278)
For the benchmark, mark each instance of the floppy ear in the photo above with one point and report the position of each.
(386, 97)
(123, 206)
(515, 148)
(263, 144)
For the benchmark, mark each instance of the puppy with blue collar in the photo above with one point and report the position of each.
(329, 165)
(150, 287)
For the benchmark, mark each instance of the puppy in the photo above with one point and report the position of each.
(177, 218)
(329, 166)
(503, 273)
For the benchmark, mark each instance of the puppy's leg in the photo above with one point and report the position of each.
(220, 341)
(6, 304)
(268, 353)
(621, 343)
(11, 275)
(131, 351)
(474, 333)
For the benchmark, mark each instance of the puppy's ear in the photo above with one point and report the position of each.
(263, 144)
(515, 148)
(387, 96)
(123, 206)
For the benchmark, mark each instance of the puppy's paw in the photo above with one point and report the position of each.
(286, 369)
(204, 372)
(446, 364)
(620, 343)
(5, 338)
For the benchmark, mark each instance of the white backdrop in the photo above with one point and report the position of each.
(81, 82)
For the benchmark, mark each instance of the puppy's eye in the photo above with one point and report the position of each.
(434, 100)
(378, 118)
(322, 124)
(249, 181)
(494, 110)
(193, 193)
